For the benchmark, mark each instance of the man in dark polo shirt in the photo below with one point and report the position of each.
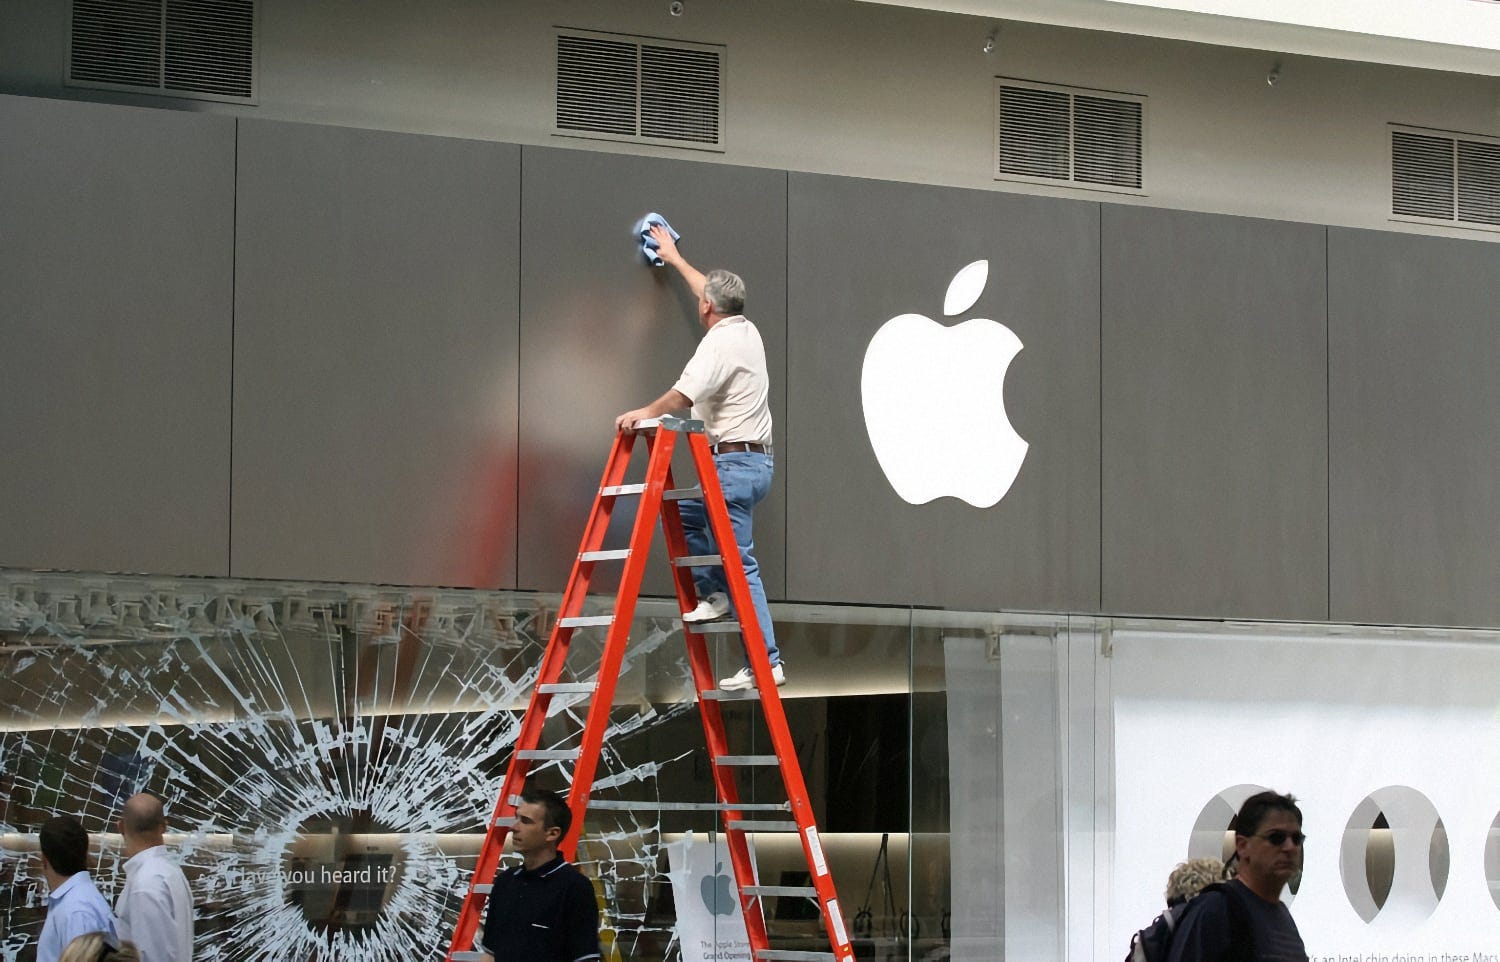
(543, 910)
(1247, 921)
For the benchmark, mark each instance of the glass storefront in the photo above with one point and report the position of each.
(989, 786)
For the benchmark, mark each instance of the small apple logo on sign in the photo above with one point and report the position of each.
(717, 897)
(934, 401)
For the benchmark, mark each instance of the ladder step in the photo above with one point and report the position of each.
(611, 554)
(552, 754)
(699, 561)
(671, 494)
(804, 891)
(614, 805)
(747, 760)
(484, 888)
(585, 621)
(789, 955)
(470, 956)
(715, 627)
(719, 694)
(559, 687)
(749, 825)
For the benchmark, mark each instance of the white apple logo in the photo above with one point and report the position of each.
(934, 400)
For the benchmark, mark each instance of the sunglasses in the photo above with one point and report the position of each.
(1278, 838)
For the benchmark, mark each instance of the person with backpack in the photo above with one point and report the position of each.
(1244, 920)
(1152, 943)
(1191, 877)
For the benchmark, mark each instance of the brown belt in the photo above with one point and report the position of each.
(730, 447)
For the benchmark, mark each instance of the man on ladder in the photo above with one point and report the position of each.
(727, 386)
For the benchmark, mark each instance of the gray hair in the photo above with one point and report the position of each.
(725, 291)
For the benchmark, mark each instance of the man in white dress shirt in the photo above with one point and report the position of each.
(155, 908)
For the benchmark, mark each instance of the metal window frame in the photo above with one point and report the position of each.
(1393, 128)
(1073, 93)
(721, 50)
(164, 91)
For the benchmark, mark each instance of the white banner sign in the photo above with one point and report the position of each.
(710, 925)
(1367, 733)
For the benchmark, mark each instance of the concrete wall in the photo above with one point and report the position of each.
(845, 88)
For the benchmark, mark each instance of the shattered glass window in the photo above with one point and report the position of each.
(328, 757)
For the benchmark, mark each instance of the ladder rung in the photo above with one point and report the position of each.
(670, 422)
(585, 621)
(804, 891)
(612, 554)
(747, 760)
(698, 560)
(683, 494)
(615, 805)
(559, 687)
(615, 490)
(790, 955)
(484, 888)
(467, 956)
(719, 694)
(715, 627)
(552, 754)
(750, 825)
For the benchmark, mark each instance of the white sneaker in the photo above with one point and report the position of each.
(712, 608)
(744, 679)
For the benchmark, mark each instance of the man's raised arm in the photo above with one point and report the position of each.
(667, 248)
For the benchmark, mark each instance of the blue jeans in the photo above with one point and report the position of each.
(745, 477)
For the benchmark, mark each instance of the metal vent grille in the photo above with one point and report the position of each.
(1060, 134)
(680, 94)
(597, 85)
(117, 42)
(1421, 175)
(1107, 141)
(1478, 182)
(1438, 176)
(191, 48)
(630, 88)
(1035, 133)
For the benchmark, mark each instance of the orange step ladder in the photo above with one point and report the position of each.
(658, 497)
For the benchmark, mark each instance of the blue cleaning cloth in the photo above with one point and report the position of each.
(648, 244)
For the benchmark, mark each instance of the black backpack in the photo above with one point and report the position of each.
(1154, 942)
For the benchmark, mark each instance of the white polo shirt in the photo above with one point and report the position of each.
(728, 384)
(155, 908)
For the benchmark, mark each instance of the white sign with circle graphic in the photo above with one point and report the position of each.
(1387, 746)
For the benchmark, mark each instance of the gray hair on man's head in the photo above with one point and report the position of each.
(725, 291)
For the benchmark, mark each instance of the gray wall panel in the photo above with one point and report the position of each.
(1214, 389)
(1415, 417)
(862, 252)
(603, 332)
(116, 273)
(375, 357)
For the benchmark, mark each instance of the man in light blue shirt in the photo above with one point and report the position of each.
(74, 905)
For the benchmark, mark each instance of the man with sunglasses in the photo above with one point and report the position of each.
(1246, 921)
